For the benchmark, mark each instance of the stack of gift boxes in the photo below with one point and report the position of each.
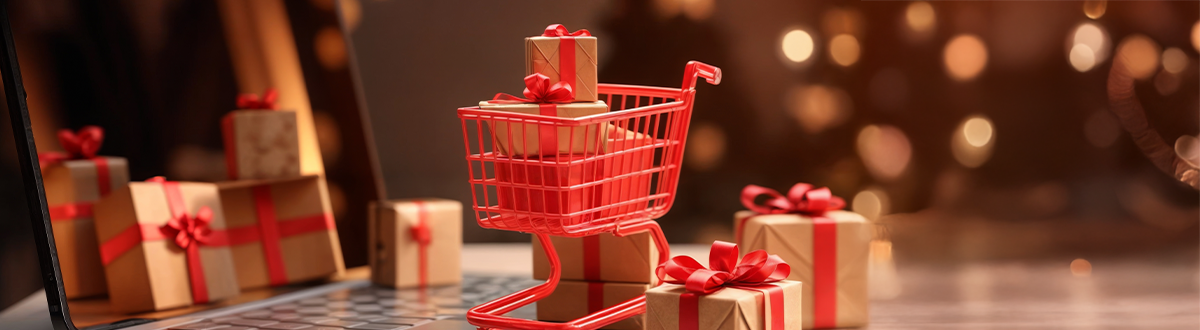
(159, 244)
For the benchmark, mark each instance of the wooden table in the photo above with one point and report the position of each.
(1148, 292)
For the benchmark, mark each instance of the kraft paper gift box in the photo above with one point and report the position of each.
(416, 242)
(281, 231)
(565, 56)
(260, 142)
(727, 309)
(575, 299)
(153, 262)
(828, 250)
(601, 257)
(529, 140)
(74, 182)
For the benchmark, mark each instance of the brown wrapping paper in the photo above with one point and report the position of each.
(790, 237)
(153, 275)
(261, 144)
(523, 139)
(727, 309)
(395, 255)
(629, 259)
(76, 182)
(312, 255)
(542, 56)
(575, 299)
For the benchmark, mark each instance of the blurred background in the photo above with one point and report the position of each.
(967, 130)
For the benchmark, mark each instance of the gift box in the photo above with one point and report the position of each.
(564, 56)
(75, 180)
(281, 231)
(828, 250)
(260, 142)
(529, 139)
(601, 257)
(163, 245)
(731, 295)
(575, 299)
(416, 242)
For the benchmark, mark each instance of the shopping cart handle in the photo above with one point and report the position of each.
(697, 69)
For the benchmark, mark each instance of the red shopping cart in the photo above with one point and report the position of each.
(614, 172)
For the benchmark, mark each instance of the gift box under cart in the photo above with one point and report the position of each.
(661, 114)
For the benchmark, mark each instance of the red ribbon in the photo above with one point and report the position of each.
(81, 144)
(270, 229)
(591, 258)
(595, 296)
(754, 272)
(566, 51)
(251, 101)
(539, 90)
(804, 200)
(422, 234)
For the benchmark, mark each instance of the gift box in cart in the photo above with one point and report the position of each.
(581, 193)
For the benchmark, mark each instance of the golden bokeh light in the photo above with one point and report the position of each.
(817, 107)
(1094, 8)
(797, 45)
(1101, 129)
(885, 151)
(1166, 83)
(706, 147)
(1082, 58)
(668, 8)
(1081, 268)
(973, 141)
(351, 13)
(920, 17)
(837, 21)
(1174, 60)
(844, 49)
(1140, 55)
(330, 48)
(1095, 38)
(698, 10)
(871, 203)
(1196, 36)
(965, 57)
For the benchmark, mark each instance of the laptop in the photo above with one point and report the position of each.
(32, 295)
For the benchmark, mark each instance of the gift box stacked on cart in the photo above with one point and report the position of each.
(828, 249)
(597, 271)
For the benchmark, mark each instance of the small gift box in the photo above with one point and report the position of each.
(565, 56)
(75, 180)
(828, 248)
(751, 294)
(164, 245)
(532, 139)
(601, 257)
(575, 299)
(281, 231)
(261, 142)
(416, 242)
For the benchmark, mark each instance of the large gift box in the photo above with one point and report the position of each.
(731, 295)
(828, 249)
(575, 299)
(281, 231)
(565, 56)
(164, 245)
(260, 141)
(601, 257)
(530, 139)
(416, 242)
(75, 180)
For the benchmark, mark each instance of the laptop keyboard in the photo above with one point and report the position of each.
(375, 308)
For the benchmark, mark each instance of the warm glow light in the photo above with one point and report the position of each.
(1174, 60)
(817, 108)
(844, 49)
(978, 131)
(1166, 82)
(1140, 55)
(1094, 37)
(837, 21)
(1094, 8)
(1196, 36)
(920, 16)
(885, 151)
(972, 143)
(706, 147)
(698, 10)
(1082, 58)
(871, 203)
(1081, 268)
(330, 48)
(351, 13)
(965, 57)
(797, 45)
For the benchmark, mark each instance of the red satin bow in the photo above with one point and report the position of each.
(188, 230)
(558, 30)
(801, 199)
(755, 268)
(81, 144)
(421, 234)
(251, 101)
(539, 90)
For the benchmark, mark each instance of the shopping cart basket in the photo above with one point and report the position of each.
(612, 172)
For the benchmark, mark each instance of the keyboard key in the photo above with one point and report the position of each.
(367, 308)
(408, 313)
(339, 304)
(313, 310)
(400, 321)
(315, 319)
(314, 301)
(285, 307)
(286, 316)
(200, 326)
(252, 323)
(388, 302)
(342, 314)
(256, 314)
(286, 326)
(379, 327)
(340, 323)
(366, 318)
(362, 298)
(223, 319)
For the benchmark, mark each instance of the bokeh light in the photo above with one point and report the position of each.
(972, 143)
(1140, 55)
(1166, 83)
(330, 48)
(1094, 8)
(1196, 36)
(965, 57)
(920, 17)
(871, 203)
(885, 151)
(837, 21)
(1087, 46)
(818, 107)
(797, 45)
(1081, 268)
(706, 147)
(1174, 60)
(1101, 129)
(351, 13)
(1082, 58)
(698, 10)
(844, 49)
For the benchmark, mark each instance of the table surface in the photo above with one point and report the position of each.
(1121, 293)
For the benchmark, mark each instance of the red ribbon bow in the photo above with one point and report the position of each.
(539, 90)
(726, 271)
(559, 30)
(188, 230)
(81, 144)
(251, 101)
(801, 199)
